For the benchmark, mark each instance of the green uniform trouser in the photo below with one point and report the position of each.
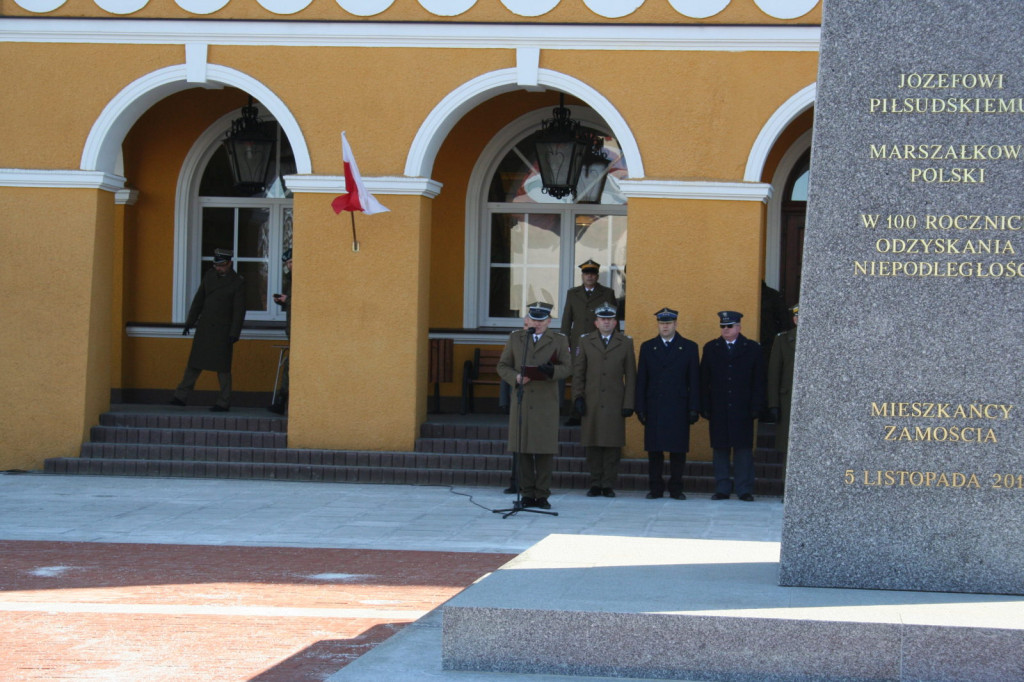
(535, 475)
(188, 382)
(604, 465)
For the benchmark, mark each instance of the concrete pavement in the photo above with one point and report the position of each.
(240, 513)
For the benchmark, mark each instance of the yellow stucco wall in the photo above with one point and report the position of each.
(57, 311)
(359, 326)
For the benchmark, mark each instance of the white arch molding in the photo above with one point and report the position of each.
(440, 121)
(103, 145)
(778, 122)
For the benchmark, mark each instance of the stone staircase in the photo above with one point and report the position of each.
(252, 444)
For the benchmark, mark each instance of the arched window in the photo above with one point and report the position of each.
(531, 243)
(258, 228)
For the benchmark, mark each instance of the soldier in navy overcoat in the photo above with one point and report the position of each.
(732, 397)
(667, 402)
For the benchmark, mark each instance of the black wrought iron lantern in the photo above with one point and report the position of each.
(560, 145)
(593, 172)
(250, 149)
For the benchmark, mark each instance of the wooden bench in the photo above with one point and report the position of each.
(482, 370)
(442, 359)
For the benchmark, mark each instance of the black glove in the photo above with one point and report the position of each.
(233, 339)
(548, 369)
(581, 406)
(706, 414)
(185, 331)
(642, 417)
(773, 414)
(694, 416)
(627, 412)
(754, 414)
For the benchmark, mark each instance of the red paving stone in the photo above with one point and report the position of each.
(96, 611)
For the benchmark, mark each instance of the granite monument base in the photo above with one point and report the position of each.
(713, 610)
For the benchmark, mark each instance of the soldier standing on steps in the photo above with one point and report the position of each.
(604, 388)
(533, 361)
(284, 299)
(578, 313)
(780, 381)
(217, 313)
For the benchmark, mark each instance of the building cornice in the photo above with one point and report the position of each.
(67, 179)
(705, 38)
(334, 184)
(706, 191)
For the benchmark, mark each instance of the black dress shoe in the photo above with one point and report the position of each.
(509, 490)
(543, 503)
(652, 496)
(594, 491)
(678, 496)
(720, 496)
(218, 408)
(747, 497)
(528, 502)
(177, 401)
(608, 492)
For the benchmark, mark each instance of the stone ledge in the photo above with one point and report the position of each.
(712, 610)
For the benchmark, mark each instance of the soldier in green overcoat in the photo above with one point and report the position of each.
(533, 361)
(780, 381)
(578, 312)
(604, 390)
(217, 313)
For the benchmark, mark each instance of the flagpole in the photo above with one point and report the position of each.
(355, 242)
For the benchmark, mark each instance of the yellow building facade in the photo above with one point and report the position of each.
(115, 110)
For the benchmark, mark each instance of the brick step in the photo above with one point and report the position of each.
(337, 458)
(195, 420)
(354, 474)
(199, 437)
(500, 447)
(566, 434)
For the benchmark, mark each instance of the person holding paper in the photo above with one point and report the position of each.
(533, 361)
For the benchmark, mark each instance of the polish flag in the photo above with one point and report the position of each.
(358, 198)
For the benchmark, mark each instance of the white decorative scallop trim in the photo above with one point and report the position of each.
(699, 9)
(333, 184)
(430, 34)
(613, 9)
(39, 6)
(778, 122)
(284, 6)
(64, 179)
(786, 9)
(201, 6)
(446, 8)
(121, 6)
(530, 8)
(364, 8)
(708, 191)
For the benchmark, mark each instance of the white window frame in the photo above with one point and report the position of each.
(188, 222)
(478, 219)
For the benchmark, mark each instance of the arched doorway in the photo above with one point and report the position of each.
(792, 221)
